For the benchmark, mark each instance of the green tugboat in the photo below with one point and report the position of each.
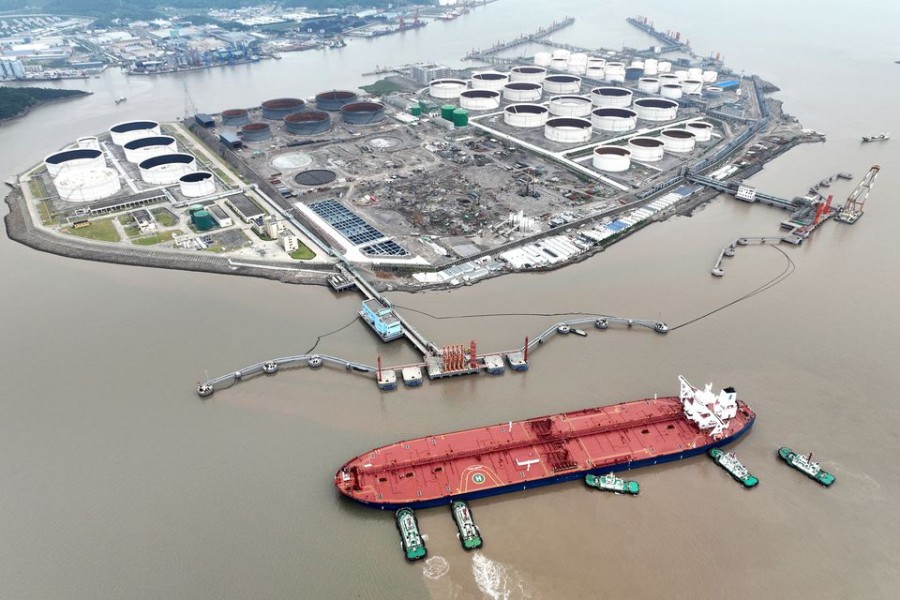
(411, 541)
(729, 462)
(611, 483)
(469, 535)
(806, 465)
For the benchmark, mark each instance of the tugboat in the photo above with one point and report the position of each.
(729, 462)
(611, 483)
(881, 137)
(469, 535)
(806, 465)
(410, 540)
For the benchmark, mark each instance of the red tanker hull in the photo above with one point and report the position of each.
(484, 461)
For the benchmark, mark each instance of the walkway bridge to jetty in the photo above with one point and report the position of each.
(488, 55)
(732, 188)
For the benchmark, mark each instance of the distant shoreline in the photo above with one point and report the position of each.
(38, 103)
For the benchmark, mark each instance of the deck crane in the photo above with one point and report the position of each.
(853, 207)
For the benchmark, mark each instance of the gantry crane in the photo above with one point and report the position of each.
(853, 207)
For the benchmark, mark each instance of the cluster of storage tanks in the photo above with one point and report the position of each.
(676, 140)
(301, 118)
(81, 174)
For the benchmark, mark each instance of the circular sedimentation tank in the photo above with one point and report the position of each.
(167, 168)
(562, 84)
(611, 97)
(363, 113)
(256, 132)
(534, 74)
(310, 122)
(480, 99)
(278, 108)
(446, 89)
(568, 130)
(613, 119)
(235, 117)
(143, 148)
(701, 129)
(525, 115)
(612, 159)
(77, 159)
(292, 160)
(646, 149)
(656, 109)
(678, 140)
(315, 177)
(197, 184)
(489, 80)
(333, 100)
(523, 91)
(130, 130)
(570, 106)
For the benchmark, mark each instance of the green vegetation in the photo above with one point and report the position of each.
(15, 101)
(157, 239)
(381, 87)
(164, 217)
(44, 212)
(37, 188)
(128, 224)
(102, 231)
(303, 253)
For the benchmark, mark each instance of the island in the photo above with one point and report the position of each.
(18, 101)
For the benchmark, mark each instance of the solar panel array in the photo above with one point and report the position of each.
(355, 229)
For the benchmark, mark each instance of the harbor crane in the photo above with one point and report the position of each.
(853, 207)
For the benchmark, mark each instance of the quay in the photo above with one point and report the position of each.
(537, 36)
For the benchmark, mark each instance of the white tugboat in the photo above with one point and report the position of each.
(729, 462)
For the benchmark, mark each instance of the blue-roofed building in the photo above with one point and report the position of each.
(381, 319)
(731, 84)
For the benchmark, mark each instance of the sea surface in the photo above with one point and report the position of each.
(118, 482)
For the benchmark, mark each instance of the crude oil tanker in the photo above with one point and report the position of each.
(437, 469)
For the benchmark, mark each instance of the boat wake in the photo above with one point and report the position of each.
(498, 581)
(436, 567)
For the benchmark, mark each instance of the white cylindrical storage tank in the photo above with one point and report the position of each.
(646, 149)
(613, 119)
(489, 80)
(651, 66)
(670, 90)
(568, 130)
(677, 140)
(712, 92)
(76, 159)
(87, 185)
(570, 106)
(701, 129)
(528, 73)
(578, 58)
(525, 115)
(523, 91)
(695, 73)
(578, 63)
(596, 72)
(664, 66)
(167, 168)
(562, 84)
(615, 72)
(141, 149)
(197, 184)
(656, 109)
(681, 74)
(636, 64)
(576, 68)
(709, 76)
(612, 159)
(611, 97)
(665, 78)
(131, 130)
(559, 64)
(89, 141)
(447, 88)
(692, 87)
(649, 85)
(480, 99)
(542, 59)
(561, 53)
(596, 61)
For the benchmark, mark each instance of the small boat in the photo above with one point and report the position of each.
(611, 483)
(410, 539)
(580, 332)
(469, 535)
(881, 137)
(806, 465)
(729, 462)
(121, 99)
